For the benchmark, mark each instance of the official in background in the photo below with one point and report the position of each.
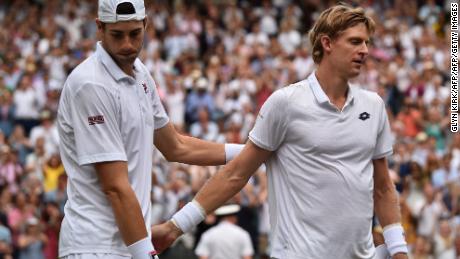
(226, 240)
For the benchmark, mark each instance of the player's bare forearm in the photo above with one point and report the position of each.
(179, 148)
(113, 177)
(128, 216)
(386, 203)
(200, 152)
(232, 178)
(221, 187)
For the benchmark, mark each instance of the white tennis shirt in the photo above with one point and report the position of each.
(321, 174)
(105, 115)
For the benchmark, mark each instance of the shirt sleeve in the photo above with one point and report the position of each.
(247, 246)
(384, 144)
(95, 123)
(271, 124)
(202, 249)
(160, 117)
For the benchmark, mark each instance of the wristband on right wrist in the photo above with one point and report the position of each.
(143, 249)
(395, 239)
(189, 216)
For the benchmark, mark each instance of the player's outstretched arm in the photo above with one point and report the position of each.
(386, 207)
(232, 178)
(189, 150)
(219, 189)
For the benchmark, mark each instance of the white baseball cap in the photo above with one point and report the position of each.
(227, 210)
(112, 11)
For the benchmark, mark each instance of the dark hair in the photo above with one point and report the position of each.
(125, 8)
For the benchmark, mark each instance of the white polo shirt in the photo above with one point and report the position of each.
(225, 241)
(105, 115)
(321, 174)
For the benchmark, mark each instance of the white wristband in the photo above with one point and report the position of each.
(189, 216)
(395, 239)
(232, 150)
(143, 249)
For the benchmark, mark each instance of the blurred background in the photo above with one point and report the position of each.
(215, 63)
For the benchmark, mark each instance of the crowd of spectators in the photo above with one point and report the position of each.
(215, 62)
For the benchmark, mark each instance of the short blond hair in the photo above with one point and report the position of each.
(332, 22)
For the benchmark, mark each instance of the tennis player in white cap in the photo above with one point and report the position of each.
(109, 117)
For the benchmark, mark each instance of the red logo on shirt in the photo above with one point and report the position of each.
(98, 119)
(146, 89)
(153, 254)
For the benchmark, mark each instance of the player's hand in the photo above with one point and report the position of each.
(164, 235)
(400, 256)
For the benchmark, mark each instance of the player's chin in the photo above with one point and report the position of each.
(127, 58)
(354, 72)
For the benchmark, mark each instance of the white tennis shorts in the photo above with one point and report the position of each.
(95, 256)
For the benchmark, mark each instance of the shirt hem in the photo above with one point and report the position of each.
(162, 124)
(92, 250)
(84, 160)
(382, 155)
(260, 144)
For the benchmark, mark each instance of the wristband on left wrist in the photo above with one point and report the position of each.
(395, 239)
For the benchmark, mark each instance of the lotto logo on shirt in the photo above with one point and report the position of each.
(98, 119)
(146, 89)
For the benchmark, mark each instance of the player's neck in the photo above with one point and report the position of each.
(127, 68)
(334, 86)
